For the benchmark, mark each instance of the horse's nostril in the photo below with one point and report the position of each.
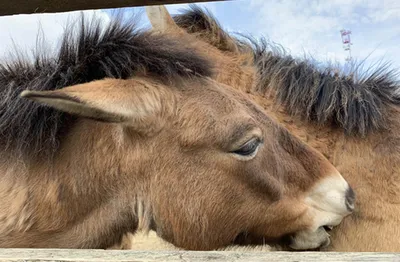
(350, 199)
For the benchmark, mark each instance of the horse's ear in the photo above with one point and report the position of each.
(161, 20)
(131, 102)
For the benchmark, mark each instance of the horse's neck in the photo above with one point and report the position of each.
(372, 165)
(33, 215)
(37, 196)
(76, 191)
(14, 194)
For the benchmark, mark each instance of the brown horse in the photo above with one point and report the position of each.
(126, 130)
(354, 121)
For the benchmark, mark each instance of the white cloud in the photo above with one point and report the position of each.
(313, 26)
(23, 30)
(301, 26)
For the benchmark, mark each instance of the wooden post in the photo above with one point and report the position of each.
(11, 7)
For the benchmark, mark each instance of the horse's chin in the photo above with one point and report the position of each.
(283, 243)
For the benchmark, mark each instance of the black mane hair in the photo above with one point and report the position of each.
(355, 101)
(200, 21)
(115, 50)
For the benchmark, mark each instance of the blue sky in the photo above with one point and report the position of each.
(300, 26)
(313, 27)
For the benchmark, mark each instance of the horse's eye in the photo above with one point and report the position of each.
(249, 148)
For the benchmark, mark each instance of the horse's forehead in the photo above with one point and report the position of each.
(212, 99)
(210, 113)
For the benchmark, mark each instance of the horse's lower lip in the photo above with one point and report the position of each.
(246, 238)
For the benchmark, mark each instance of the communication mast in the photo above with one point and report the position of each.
(346, 41)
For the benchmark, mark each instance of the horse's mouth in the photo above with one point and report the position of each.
(249, 239)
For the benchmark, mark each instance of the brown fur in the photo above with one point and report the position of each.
(155, 149)
(367, 153)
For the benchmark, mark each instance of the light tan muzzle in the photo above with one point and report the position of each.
(329, 202)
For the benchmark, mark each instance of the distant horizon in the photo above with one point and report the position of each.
(300, 27)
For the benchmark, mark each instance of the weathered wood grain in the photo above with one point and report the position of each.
(184, 256)
(52, 6)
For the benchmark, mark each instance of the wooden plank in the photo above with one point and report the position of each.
(11, 7)
(186, 256)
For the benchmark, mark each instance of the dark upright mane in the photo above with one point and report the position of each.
(116, 50)
(358, 104)
(196, 20)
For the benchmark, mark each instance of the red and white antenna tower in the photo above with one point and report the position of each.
(346, 41)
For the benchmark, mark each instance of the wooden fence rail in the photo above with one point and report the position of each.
(11, 7)
(184, 256)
